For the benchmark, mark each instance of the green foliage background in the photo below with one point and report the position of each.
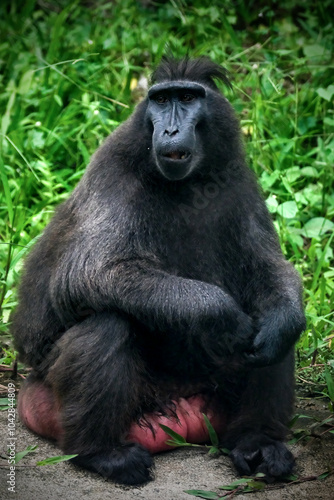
(67, 74)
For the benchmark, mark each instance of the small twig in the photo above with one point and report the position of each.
(331, 428)
(18, 465)
(317, 365)
(5, 368)
(232, 493)
(242, 487)
(306, 381)
(299, 480)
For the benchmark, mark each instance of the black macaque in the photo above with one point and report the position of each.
(160, 285)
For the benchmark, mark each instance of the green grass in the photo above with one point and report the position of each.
(66, 74)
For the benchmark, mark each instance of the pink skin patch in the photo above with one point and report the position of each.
(40, 412)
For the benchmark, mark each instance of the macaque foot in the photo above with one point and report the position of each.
(260, 453)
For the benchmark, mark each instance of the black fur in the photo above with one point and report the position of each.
(127, 464)
(200, 70)
(141, 286)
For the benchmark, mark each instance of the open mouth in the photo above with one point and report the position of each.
(177, 155)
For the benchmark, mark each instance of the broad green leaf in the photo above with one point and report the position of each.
(287, 185)
(314, 50)
(300, 198)
(329, 121)
(310, 172)
(306, 123)
(326, 93)
(272, 203)
(295, 239)
(267, 180)
(292, 174)
(37, 138)
(288, 209)
(317, 227)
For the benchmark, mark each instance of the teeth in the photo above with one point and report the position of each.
(177, 155)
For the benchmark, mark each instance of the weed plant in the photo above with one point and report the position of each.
(68, 76)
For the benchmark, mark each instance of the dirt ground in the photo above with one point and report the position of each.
(175, 471)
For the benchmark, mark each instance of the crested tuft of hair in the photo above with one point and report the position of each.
(201, 70)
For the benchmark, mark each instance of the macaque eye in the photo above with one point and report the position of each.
(187, 97)
(160, 99)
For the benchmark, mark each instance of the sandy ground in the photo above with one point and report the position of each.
(175, 472)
